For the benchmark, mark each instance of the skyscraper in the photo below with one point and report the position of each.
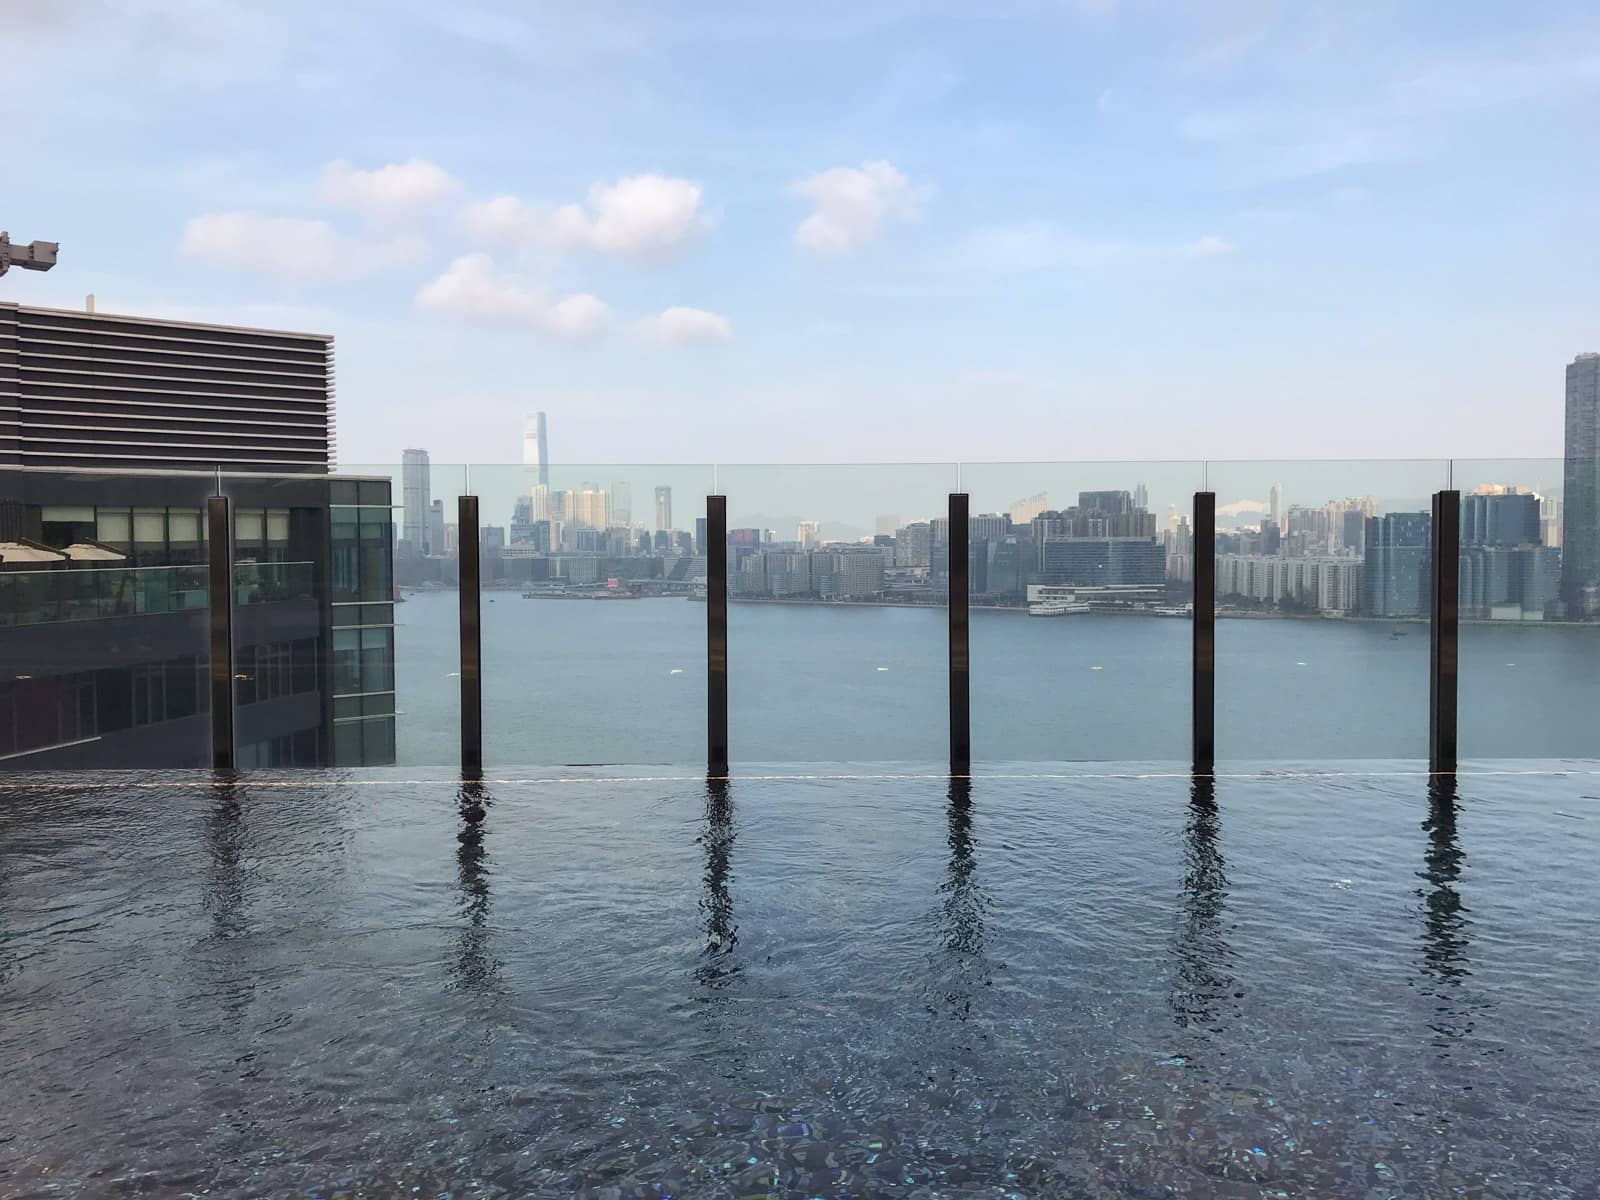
(621, 505)
(1399, 562)
(1275, 502)
(536, 449)
(436, 527)
(1580, 494)
(663, 508)
(414, 499)
(1024, 511)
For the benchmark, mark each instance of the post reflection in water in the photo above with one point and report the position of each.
(1445, 923)
(1206, 987)
(960, 966)
(718, 966)
(475, 967)
(225, 901)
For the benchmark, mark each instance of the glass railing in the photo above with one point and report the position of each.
(89, 594)
(1080, 584)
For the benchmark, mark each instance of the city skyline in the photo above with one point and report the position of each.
(1231, 230)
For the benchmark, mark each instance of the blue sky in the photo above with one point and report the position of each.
(899, 232)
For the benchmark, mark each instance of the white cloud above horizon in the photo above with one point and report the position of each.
(301, 249)
(646, 216)
(472, 289)
(851, 204)
(1209, 246)
(678, 326)
(396, 193)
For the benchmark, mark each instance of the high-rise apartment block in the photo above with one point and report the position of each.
(1399, 558)
(1580, 494)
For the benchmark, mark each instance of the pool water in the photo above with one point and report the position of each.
(850, 982)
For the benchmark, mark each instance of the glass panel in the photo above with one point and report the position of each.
(593, 620)
(837, 578)
(1530, 637)
(1081, 577)
(1322, 606)
(290, 666)
(102, 662)
(383, 553)
(114, 526)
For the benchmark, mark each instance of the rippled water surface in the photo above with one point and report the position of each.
(1326, 985)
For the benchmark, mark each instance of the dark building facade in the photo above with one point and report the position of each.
(1399, 558)
(1580, 496)
(1104, 562)
(1500, 519)
(114, 431)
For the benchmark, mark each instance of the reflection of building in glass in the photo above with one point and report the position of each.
(1580, 494)
(103, 592)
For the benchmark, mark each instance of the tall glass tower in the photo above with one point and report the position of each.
(535, 449)
(1580, 497)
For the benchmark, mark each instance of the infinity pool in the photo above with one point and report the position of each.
(853, 983)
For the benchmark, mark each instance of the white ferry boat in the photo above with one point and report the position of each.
(1056, 608)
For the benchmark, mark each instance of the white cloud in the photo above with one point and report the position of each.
(388, 195)
(851, 204)
(678, 326)
(502, 219)
(640, 216)
(471, 288)
(1209, 247)
(293, 248)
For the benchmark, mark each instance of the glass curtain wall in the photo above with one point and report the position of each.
(103, 644)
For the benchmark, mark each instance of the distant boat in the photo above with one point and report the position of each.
(1056, 608)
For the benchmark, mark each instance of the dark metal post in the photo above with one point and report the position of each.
(960, 682)
(470, 566)
(219, 597)
(717, 635)
(1443, 629)
(1204, 704)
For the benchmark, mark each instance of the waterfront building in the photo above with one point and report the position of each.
(913, 545)
(1103, 561)
(1399, 559)
(848, 572)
